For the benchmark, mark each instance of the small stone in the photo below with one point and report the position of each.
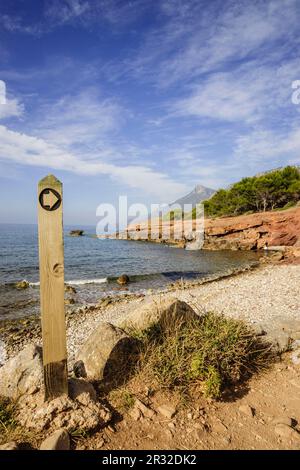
(101, 443)
(70, 289)
(190, 415)
(219, 427)
(258, 329)
(79, 387)
(122, 280)
(167, 411)
(247, 410)
(295, 357)
(172, 425)
(135, 413)
(227, 440)
(105, 302)
(146, 411)
(59, 440)
(9, 446)
(286, 432)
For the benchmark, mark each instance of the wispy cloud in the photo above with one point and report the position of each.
(80, 118)
(65, 11)
(198, 37)
(29, 150)
(196, 92)
(84, 13)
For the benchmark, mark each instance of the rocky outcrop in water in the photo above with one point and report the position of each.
(76, 233)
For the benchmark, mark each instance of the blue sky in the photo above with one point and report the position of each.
(145, 98)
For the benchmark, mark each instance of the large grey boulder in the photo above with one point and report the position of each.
(105, 353)
(22, 374)
(166, 312)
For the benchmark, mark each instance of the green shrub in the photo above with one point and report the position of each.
(212, 351)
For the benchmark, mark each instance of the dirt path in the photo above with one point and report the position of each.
(246, 421)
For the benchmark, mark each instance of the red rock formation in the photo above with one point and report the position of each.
(248, 232)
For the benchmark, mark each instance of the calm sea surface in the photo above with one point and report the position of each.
(92, 266)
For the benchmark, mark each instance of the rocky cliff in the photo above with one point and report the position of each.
(254, 231)
(245, 232)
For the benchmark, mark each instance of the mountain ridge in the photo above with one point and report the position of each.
(197, 195)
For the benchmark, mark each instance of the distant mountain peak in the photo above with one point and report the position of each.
(198, 194)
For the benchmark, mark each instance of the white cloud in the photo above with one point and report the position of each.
(266, 147)
(194, 41)
(221, 98)
(92, 12)
(79, 119)
(27, 150)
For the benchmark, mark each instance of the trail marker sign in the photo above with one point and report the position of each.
(51, 257)
(50, 199)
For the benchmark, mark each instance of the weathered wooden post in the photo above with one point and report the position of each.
(51, 255)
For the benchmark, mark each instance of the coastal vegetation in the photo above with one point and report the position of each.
(210, 351)
(278, 189)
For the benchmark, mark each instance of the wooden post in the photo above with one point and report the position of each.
(51, 255)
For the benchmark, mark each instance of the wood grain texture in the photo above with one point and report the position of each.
(51, 256)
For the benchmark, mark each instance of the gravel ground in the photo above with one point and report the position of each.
(268, 296)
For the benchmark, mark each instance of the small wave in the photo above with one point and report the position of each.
(79, 282)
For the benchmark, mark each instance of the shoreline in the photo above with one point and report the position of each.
(257, 293)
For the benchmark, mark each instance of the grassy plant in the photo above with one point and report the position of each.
(7, 409)
(212, 351)
(78, 433)
(122, 399)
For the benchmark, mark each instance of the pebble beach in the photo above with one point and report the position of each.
(266, 295)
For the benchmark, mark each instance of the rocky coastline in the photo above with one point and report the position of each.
(16, 334)
(245, 232)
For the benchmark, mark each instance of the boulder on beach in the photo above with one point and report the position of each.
(105, 354)
(166, 312)
(22, 284)
(22, 374)
(124, 279)
(70, 289)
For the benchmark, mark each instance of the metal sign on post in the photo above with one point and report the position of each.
(51, 255)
